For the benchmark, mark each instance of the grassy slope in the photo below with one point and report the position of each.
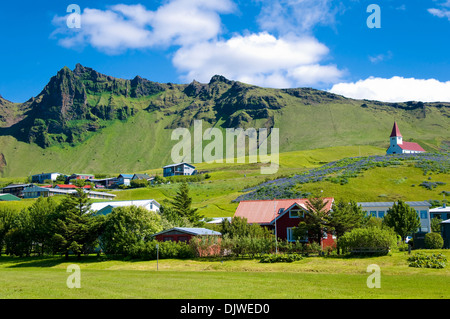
(142, 142)
(214, 196)
(246, 279)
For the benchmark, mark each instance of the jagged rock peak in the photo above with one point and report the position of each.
(79, 69)
(219, 78)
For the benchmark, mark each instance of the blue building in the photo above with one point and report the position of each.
(179, 169)
(41, 178)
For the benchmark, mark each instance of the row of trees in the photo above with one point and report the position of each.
(49, 227)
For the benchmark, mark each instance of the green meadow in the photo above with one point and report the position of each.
(312, 277)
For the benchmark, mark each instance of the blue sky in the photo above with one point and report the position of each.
(324, 44)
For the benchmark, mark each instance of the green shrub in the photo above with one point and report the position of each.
(312, 248)
(167, 250)
(421, 260)
(434, 241)
(368, 240)
(276, 258)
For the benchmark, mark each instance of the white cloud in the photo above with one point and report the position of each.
(192, 30)
(395, 89)
(297, 16)
(380, 57)
(122, 27)
(441, 13)
(260, 59)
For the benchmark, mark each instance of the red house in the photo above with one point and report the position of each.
(284, 214)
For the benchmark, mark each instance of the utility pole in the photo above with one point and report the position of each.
(276, 215)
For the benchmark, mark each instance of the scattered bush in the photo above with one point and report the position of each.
(276, 258)
(167, 249)
(431, 185)
(434, 241)
(368, 240)
(421, 260)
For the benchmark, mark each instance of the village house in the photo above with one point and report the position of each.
(103, 182)
(379, 209)
(124, 179)
(398, 146)
(15, 189)
(104, 208)
(41, 178)
(443, 212)
(141, 177)
(281, 216)
(179, 169)
(37, 191)
(79, 176)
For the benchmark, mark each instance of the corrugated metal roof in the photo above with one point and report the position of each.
(171, 165)
(440, 210)
(410, 146)
(8, 197)
(126, 175)
(100, 205)
(380, 204)
(192, 231)
(265, 211)
(17, 185)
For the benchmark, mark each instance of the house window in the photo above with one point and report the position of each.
(381, 214)
(433, 215)
(168, 238)
(373, 213)
(423, 214)
(183, 238)
(296, 213)
(290, 234)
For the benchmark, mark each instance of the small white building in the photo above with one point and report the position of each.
(105, 208)
(398, 146)
(379, 209)
(179, 169)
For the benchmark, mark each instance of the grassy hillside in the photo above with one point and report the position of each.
(143, 141)
(84, 121)
(215, 196)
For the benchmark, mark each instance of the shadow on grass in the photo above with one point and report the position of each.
(48, 261)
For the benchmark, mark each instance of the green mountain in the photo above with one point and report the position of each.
(87, 121)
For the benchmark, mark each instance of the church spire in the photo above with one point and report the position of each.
(395, 131)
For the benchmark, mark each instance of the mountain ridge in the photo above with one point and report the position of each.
(82, 109)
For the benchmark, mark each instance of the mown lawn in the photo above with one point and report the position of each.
(312, 277)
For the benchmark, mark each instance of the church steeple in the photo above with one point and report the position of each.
(396, 137)
(395, 131)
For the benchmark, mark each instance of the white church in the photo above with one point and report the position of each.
(397, 145)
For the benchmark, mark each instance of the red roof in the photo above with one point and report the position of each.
(395, 130)
(409, 146)
(265, 211)
(70, 186)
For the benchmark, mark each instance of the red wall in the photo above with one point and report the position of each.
(285, 222)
